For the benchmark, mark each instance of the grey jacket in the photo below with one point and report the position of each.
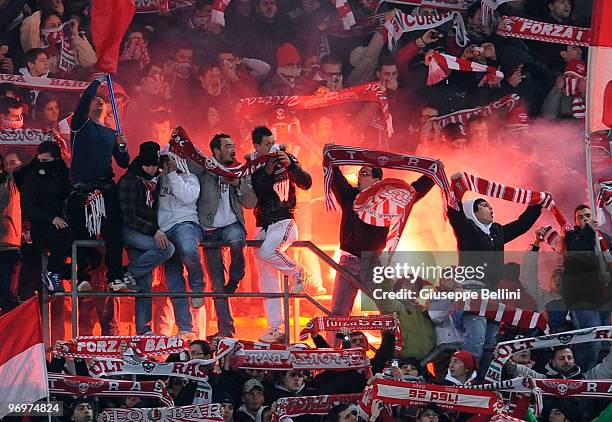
(242, 196)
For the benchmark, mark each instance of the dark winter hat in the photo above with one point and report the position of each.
(149, 153)
(50, 147)
(377, 173)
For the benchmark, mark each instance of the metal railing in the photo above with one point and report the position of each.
(286, 295)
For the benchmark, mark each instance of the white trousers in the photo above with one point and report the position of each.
(272, 259)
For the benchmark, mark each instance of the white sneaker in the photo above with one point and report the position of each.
(197, 302)
(298, 282)
(273, 335)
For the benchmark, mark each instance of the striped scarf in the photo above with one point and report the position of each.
(53, 36)
(441, 63)
(523, 319)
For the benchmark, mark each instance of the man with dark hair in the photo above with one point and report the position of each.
(220, 211)
(93, 147)
(387, 72)
(275, 186)
(37, 63)
(329, 74)
(147, 245)
(559, 11)
(242, 75)
(360, 243)
(47, 111)
(82, 410)
(11, 113)
(252, 402)
(582, 283)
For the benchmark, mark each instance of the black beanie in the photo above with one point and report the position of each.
(50, 147)
(149, 153)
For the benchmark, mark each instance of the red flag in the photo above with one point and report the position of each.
(23, 369)
(600, 64)
(109, 22)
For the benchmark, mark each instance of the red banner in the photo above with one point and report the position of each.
(109, 22)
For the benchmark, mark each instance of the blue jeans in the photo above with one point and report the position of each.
(587, 353)
(144, 255)
(233, 236)
(480, 338)
(186, 238)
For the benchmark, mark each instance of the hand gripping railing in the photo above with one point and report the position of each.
(286, 295)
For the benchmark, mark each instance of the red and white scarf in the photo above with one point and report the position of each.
(285, 358)
(161, 6)
(340, 155)
(181, 145)
(363, 26)
(469, 182)
(441, 63)
(195, 369)
(345, 13)
(523, 319)
(463, 116)
(202, 412)
(386, 204)
(281, 183)
(504, 351)
(50, 38)
(461, 399)
(405, 22)
(373, 91)
(51, 84)
(218, 11)
(150, 187)
(70, 385)
(355, 323)
(517, 27)
(291, 407)
(93, 347)
(138, 50)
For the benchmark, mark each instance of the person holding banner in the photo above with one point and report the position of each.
(93, 204)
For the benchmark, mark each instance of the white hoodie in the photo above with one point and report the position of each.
(468, 210)
(178, 198)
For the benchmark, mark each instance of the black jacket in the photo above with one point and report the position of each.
(270, 209)
(133, 197)
(355, 235)
(45, 188)
(581, 282)
(471, 239)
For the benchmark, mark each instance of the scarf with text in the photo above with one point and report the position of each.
(195, 369)
(514, 26)
(441, 63)
(70, 385)
(469, 182)
(290, 407)
(181, 145)
(340, 155)
(294, 358)
(558, 388)
(21, 137)
(62, 35)
(504, 351)
(522, 319)
(463, 116)
(386, 203)
(461, 399)
(373, 91)
(92, 347)
(355, 323)
(203, 412)
(405, 22)
(50, 84)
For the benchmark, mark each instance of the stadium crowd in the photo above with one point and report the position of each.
(519, 119)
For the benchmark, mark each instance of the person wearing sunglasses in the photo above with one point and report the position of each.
(357, 237)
